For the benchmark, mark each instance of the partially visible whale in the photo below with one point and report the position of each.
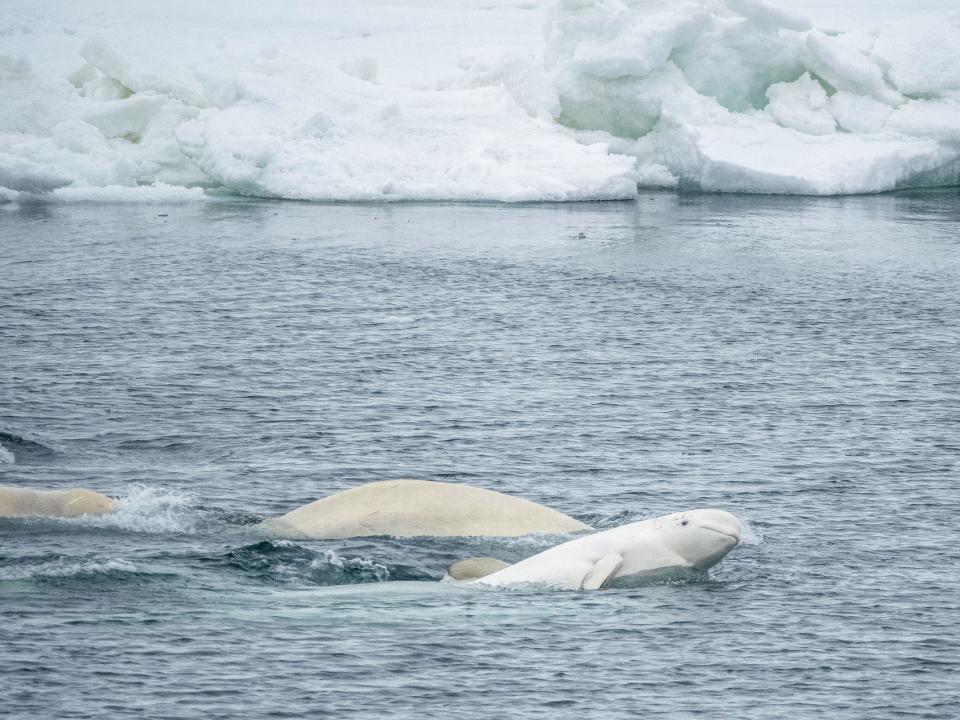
(409, 508)
(24, 502)
(691, 540)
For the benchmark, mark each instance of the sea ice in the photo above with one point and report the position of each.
(836, 118)
(801, 105)
(382, 100)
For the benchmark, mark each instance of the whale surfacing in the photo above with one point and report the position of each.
(411, 508)
(691, 540)
(25, 502)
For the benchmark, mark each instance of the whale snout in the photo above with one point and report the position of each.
(709, 535)
(721, 522)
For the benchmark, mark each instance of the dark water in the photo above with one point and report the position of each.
(792, 360)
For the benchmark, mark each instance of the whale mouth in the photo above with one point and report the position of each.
(733, 534)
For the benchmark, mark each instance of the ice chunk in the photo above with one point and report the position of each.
(156, 193)
(757, 157)
(84, 74)
(627, 107)
(846, 68)
(365, 68)
(167, 79)
(801, 105)
(640, 44)
(922, 54)
(475, 144)
(859, 113)
(610, 62)
(656, 176)
(933, 119)
(765, 13)
(696, 109)
(20, 174)
(78, 136)
(127, 118)
(14, 68)
(523, 76)
(736, 62)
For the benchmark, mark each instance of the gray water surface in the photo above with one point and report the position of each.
(792, 360)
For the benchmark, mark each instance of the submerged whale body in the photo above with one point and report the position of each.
(25, 502)
(684, 541)
(410, 508)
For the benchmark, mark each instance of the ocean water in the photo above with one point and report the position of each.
(793, 360)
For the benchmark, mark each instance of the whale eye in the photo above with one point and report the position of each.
(685, 522)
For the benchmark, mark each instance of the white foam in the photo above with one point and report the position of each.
(326, 101)
(331, 559)
(6, 456)
(66, 568)
(147, 509)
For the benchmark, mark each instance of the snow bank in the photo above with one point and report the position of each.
(740, 96)
(363, 102)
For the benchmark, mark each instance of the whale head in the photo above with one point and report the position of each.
(700, 538)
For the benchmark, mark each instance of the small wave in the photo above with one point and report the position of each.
(283, 561)
(151, 510)
(67, 567)
(17, 448)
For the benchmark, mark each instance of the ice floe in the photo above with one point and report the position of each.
(466, 101)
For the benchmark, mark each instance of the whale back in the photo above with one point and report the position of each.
(475, 568)
(410, 508)
(26, 502)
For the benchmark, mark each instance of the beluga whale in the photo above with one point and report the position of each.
(26, 502)
(411, 508)
(679, 543)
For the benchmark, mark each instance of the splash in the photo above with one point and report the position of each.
(749, 535)
(146, 509)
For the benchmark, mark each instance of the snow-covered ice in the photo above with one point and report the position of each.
(475, 99)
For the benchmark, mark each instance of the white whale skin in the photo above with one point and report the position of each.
(412, 508)
(26, 502)
(690, 540)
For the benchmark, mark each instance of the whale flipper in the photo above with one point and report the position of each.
(605, 568)
(475, 568)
